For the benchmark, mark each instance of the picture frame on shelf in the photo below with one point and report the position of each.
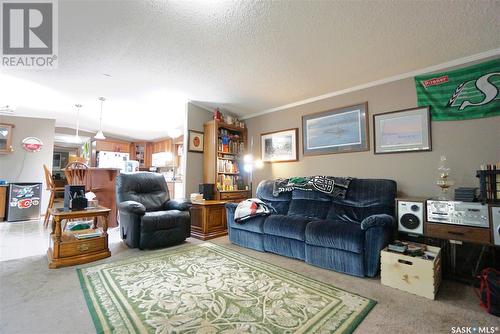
(339, 130)
(280, 146)
(402, 131)
(195, 141)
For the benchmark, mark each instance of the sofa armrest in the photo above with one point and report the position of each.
(378, 233)
(131, 213)
(181, 205)
(132, 207)
(230, 210)
(381, 220)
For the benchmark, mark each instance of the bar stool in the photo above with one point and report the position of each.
(78, 173)
(53, 189)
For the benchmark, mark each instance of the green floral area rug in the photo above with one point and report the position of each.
(208, 288)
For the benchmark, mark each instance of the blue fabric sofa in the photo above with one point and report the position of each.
(344, 235)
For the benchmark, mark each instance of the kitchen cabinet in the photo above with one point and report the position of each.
(109, 145)
(112, 146)
(162, 146)
(6, 138)
(141, 151)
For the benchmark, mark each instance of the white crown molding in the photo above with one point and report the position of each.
(200, 106)
(456, 62)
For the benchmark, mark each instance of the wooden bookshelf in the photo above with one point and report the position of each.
(224, 148)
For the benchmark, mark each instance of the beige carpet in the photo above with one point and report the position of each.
(34, 299)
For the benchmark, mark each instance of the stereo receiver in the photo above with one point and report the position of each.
(458, 213)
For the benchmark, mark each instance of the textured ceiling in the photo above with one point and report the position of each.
(245, 56)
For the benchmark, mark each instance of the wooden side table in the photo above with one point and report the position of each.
(66, 250)
(208, 219)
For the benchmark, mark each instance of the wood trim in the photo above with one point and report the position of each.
(228, 126)
(296, 145)
(458, 232)
(367, 129)
(429, 129)
(434, 68)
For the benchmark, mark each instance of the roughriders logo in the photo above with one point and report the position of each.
(475, 92)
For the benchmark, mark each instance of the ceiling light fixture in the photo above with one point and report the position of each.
(77, 137)
(99, 134)
(7, 110)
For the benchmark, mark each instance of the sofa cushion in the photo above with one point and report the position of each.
(335, 234)
(311, 204)
(364, 198)
(292, 227)
(279, 203)
(163, 220)
(254, 224)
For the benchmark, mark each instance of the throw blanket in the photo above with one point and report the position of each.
(252, 207)
(333, 186)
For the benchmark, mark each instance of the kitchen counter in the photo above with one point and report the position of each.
(3, 200)
(102, 183)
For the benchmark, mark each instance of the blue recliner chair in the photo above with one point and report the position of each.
(344, 235)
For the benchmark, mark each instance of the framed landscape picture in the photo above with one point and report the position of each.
(336, 131)
(280, 146)
(195, 141)
(407, 130)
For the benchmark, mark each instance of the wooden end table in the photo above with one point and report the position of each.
(208, 219)
(66, 250)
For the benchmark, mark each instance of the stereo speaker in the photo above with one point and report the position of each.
(411, 216)
(495, 220)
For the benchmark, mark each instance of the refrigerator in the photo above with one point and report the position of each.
(106, 159)
(24, 201)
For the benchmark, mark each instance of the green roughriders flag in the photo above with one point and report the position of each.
(470, 92)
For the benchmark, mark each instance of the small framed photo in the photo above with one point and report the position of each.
(195, 141)
(339, 130)
(280, 146)
(407, 130)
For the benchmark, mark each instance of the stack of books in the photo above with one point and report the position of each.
(412, 249)
(88, 234)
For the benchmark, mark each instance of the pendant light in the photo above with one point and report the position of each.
(77, 139)
(99, 134)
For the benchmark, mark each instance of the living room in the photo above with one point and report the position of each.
(250, 167)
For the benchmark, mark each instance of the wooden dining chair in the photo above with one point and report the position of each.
(78, 173)
(53, 189)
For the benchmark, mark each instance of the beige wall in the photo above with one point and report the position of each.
(467, 144)
(22, 166)
(196, 117)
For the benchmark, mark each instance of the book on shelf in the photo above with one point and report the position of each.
(230, 146)
(230, 142)
(227, 166)
(229, 182)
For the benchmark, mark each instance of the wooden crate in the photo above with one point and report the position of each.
(411, 274)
